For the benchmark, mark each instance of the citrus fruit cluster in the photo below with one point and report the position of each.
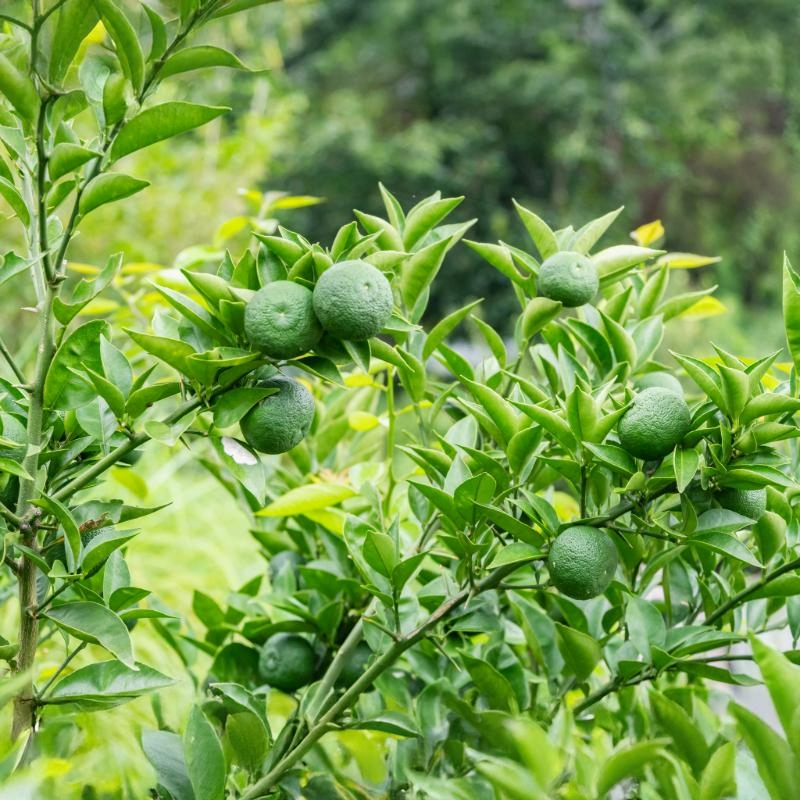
(351, 300)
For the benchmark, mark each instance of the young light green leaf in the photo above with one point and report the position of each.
(685, 461)
(105, 684)
(73, 22)
(629, 760)
(108, 188)
(162, 122)
(380, 553)
(312, 497)
(164, 750)
(14, 199)
(539, 231)
(791, 310)
(422, 219)
(587, 236)
(19, 90)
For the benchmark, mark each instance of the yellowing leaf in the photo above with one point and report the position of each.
(686, 260)
(359, 380)
(303, 499)
(648, 233)
(705, 307)
(329, 518)
(362, 421)
(566, 506)
(96, 35)
(100, 305)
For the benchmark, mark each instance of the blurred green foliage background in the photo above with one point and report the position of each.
(681, 111)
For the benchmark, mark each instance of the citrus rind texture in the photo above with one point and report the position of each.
(280, 321)
(750, 503)
(570, 278)
(280, 421)
(656, 422)
(582, 562)
(353, 300)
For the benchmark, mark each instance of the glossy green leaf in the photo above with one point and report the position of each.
(161, 122)
(685, 461)
(63, 389)
(426, 216)
(628, 761)
(199, 57)
(687, 739)
(17, 87)
(73, 22)
(538, 312)
(718, 779)
(126, 41)
(67, 157)
(233, 405)
(108, 188)
(164, 750)
(95, 624)
(782, 679)
(492, 684)
(67, 520)
(540, 232)
(105, 684)
(777, 765)
(581, 652)
(380, 553)
(205, 762)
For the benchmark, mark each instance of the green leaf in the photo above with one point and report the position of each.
(141, 399)
(538, 312)
(245, 734)
(516, 553)
(782, 679)
(687, 739)
(107, 390)
(14, 468)
(67, 157)
(162, 122)
(73, 22)
(235, 6)
(63, 389)
(108, 188)
(14, 199)
(102, 546)
(791, 310)
(68, 523)
(172, 351)
(540, 232)
(96, 624)
(615, 262)
(685, 461)
(766, 405)
(587, 236)
(426, 216)
(106, 684)
(499, 257)
(507, 419)
(19, 90)
(125, 40)
(85, 291)
(164, 750)
(392, 722)
(312, 497)
(199, 57)
(581, 652)
(205, 761)
(493, 685)
(471, 494)
(719, 776)
(233, 405)
(726, 545)
(776, 763)
(420, 269)
(628, 761)
(380, 553)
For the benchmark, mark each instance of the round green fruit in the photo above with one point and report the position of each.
(279, 320)
(570, 278)
(353, 300)
(287, 662)
(582, 561)
(280, 421)
(750, 503)
(655, 423)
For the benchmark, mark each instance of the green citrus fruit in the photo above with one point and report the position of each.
(353, 300)
(354, 666)
(279, 320)
(661, 379)
(747, 502)
(280, 421)
(582, 561)
(570, 278)
(656, 421)
(287, 662)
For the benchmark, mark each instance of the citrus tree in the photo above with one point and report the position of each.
(516, 576)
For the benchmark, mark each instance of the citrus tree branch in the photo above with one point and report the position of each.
(6, 353)
(323, 723)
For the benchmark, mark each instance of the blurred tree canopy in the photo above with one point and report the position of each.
(683, 111)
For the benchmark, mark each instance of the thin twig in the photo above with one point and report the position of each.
(6, 353)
